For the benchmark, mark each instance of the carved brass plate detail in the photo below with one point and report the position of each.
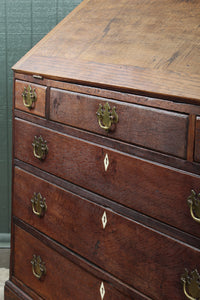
(191, 284)
(29, 97)
(38, 267)
(106, 117)
(40, 148)
(194, 204)
(39, 206)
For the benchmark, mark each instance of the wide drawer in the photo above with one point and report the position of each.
(145, 259)
(60, 278)
(30, 97)
(150, 188)
(152, 128)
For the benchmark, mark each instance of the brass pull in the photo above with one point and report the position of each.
(191, 283)
(39, 206)
(40, 148)
(194, 204)
(106, 117)
(38, 267)
(29, 97)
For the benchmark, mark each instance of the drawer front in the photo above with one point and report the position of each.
(131, 252)
(156, 129)
(60, 277)
(146, 187)
(30, 97)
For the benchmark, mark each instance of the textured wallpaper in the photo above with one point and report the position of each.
(22, 24)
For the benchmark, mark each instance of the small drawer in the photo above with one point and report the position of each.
(149, 188)
(53, 276)
(30, 97)
(138, 256)
(152, 128)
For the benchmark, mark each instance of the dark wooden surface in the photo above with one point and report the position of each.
(197, 140)
(144, 250)
(142, 58)
(133, 182)
(151, 47)
(13, 292)
(63, 278)
(137, 124)
(39, 104)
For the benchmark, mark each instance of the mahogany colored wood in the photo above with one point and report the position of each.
(63, 278)
(143, 58)
(197, 140)
(39, 104)
(153, 46)
(133, 182)
(144, 153)
(137, 124)
(85, 234)
(191, 137)
(12, 292)
(113, 206)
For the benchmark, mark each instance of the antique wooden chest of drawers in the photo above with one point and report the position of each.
(106, 156)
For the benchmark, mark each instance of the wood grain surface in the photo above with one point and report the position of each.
(63, 279)
(153, 47)
(137, 124)
(39, 104)
(147, 187)
(128, 250)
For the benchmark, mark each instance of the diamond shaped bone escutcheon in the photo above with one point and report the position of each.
(104, 220)
(106, 162)
(102, 291)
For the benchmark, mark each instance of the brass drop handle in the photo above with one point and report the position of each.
(39, 206)
(106, 117)
(38, 267)
(194, 205)
(191, 283)
(29, 97)
(40, 148)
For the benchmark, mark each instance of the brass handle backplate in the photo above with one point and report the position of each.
(40, 148)
(194, 204)
(29, 97)
(38, 267)
(106, 117)
(39, 206)
(191, 286)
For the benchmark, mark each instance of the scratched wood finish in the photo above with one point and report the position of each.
(85, 235)
(63, 278)
(143, 58)
(137, 124)
(39, 104)
(136, 183)
(151, 47)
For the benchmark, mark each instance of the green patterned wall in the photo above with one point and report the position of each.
(22, 24)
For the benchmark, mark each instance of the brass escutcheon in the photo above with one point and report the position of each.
(29, 97)
(106, 117)
(194, 204)
(191, 284)
(39, 206)
(40, 148)
(38, 267)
